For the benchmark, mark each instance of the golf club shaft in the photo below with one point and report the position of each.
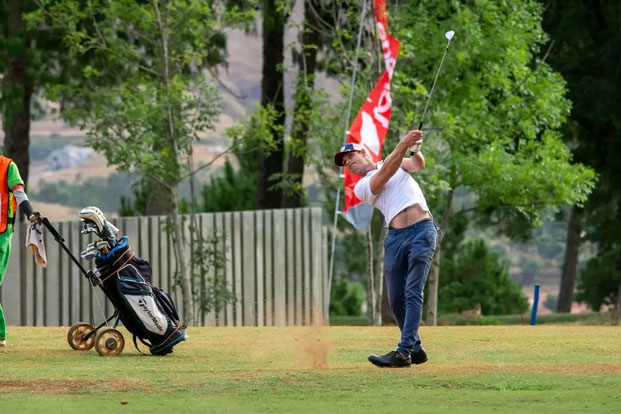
(433, 85)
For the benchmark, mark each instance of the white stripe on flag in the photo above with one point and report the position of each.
(359, 216)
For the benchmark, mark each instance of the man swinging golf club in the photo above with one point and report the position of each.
(411, 241)
(412, 235)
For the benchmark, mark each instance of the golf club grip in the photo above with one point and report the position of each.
(420, 128)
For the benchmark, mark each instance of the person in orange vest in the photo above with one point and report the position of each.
(12, 194)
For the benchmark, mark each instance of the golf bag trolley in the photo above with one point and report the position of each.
(146, 311)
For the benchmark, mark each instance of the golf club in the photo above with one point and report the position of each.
(449, 35)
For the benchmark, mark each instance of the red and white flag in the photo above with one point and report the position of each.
(371, 124)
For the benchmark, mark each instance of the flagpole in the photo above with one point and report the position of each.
(338, 191)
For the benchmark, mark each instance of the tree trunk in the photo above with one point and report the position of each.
(387, 316)
(370, 285)
(272, 93)
(379, 280)
(17, 89)
(184, 275)
(160, 199)
(433, 284)
(616, 312)
(616, 317)
(570, 263)
(303, 105)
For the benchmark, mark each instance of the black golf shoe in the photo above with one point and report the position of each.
(393, 359)
(419, 357)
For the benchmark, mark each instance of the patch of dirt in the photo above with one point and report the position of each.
(305, 348)
(315, 352)
(56, 386)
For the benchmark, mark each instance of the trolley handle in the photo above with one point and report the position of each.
(61, 241)
(52, 230)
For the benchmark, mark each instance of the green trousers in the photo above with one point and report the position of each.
(5, 253)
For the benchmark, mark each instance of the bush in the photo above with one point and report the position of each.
(585, 318)
(551, 302)
(233, 191)
(136, 205)
(346, 298)
(600, 279)
(477, 275)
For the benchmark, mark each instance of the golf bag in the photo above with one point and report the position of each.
(145, 310)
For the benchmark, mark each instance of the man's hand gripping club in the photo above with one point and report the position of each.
(417, 135)
(395, 160)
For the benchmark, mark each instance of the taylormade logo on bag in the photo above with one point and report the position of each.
(148, 312)
(144, 307)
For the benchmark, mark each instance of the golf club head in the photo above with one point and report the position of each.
(90, 253)
(449, 35)
(89, 227)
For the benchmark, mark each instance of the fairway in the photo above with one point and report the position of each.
(320, 369)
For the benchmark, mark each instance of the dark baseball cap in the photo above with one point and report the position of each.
(349, 147)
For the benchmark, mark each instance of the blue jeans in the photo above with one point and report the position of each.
(407, 260)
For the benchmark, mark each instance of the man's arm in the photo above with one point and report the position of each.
(414, 164)
(16, 184)
(392, 163)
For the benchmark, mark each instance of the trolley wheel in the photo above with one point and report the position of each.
(76, 334)
(109, 342)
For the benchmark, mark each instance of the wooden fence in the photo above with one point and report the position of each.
(276, 266)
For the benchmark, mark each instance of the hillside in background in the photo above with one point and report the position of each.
(60, 193)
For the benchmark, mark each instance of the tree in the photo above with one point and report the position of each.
(148, 119)
(324, 45)
(341, 25)
(275, 14)
(570, 261)
(493, 126)
(476, 275)
(229, 192)
(584, 36)
(599, 281)
(29, 58)
(293, 194)
(17, 83)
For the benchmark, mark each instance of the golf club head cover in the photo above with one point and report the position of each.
(106, 230)
(94, 215)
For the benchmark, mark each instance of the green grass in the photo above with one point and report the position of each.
(348, 320)
(584, 318)
(544, 369)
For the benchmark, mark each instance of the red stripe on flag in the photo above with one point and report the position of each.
(371, 124)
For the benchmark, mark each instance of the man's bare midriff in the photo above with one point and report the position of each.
(409, 216)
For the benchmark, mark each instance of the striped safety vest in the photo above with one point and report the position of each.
(8, 206)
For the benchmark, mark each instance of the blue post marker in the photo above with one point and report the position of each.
(533, 314)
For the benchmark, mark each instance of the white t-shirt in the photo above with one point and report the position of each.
(401, 191)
